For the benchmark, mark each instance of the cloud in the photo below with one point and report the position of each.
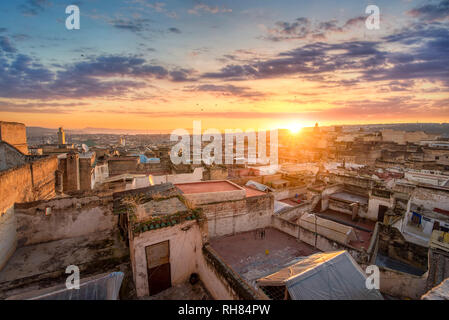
(6, 46)
(135, 25)
(156, 6)
(197, 9)
(39, 107)
(174, 30)
(34, 7)
(432, 12)
(365, 109)
(228, 90)
(303, 28)
(100, 76)
(424, 54)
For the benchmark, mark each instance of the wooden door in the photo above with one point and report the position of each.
(158, 266)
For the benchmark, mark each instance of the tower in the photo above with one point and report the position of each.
(73, 171)
(61, 136)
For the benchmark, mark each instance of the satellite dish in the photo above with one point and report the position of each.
(85, 148)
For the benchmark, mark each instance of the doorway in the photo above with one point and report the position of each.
(381, 213)
(158, 267)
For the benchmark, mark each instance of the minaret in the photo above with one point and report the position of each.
(61, 136)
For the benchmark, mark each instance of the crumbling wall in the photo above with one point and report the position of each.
(44, 221)
(29, 182)
(393, 244)
(401, 285)
(430, 198)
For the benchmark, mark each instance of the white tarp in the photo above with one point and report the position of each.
(323, 276)
(102, 287)
(279, 206)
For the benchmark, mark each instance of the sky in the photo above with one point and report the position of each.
(248, 64)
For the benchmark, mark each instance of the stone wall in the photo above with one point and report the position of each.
(15, 134)
(122, 165)
(86, 173)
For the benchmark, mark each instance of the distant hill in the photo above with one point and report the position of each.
(436, 128)
(39, 131)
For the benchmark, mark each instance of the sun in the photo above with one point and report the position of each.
(295, 127)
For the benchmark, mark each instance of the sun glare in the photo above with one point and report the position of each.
(294, 128)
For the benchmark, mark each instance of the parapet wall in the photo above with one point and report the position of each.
(32, 181)
(44, 221)
(15, 134)
(233, 216)
(227, 284)
(317, 240)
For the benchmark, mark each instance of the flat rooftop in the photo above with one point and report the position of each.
(183, 291)
(363, 228)
(350, 197)
(44, 263)
(246, 253)
(251, 192)
(207, 187)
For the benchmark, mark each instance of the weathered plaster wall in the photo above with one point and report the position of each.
(399, 284)
(326, 193)
(195, 176)
(322, 243)
(221, 281)
(218, 173)
(29, 182)
(185, 242)
(10, 157)
(86, 173)
(430, 198)
(230, 217)
(374, 203)
(393, 244)
(69, 217)
(289, 192)
(122, 165)
(7, 236)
